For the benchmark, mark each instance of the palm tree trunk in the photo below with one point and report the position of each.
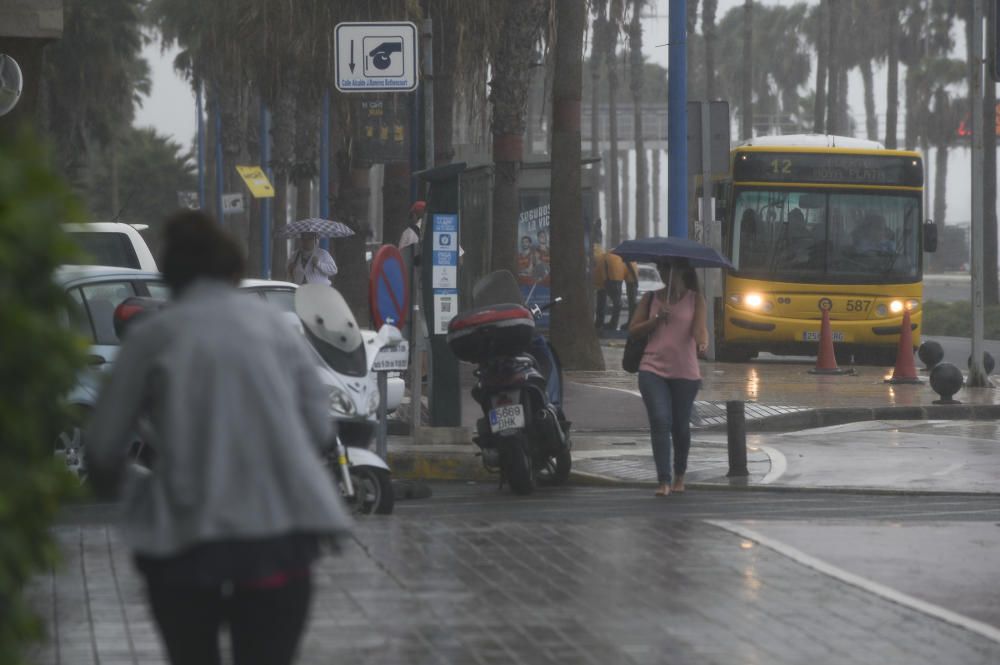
(304, 171)
(282, 151)
(833, 71)
(656, 192)
(352, 209)
(572, 332)
(509, 94)
(822, 51)
(615, 221)
(628, 230)
(892, 84)
(940, 184)
(746, 106)
(596, 52)
(910, 134)
(871, 121)
(842, 108)
(641, 167)
(708, 10)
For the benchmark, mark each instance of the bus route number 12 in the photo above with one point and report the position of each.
(781, 166)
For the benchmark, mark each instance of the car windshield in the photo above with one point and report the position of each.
(846, 238)
(106, 249)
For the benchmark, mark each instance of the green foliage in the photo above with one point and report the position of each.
(39, 359)
(955, 319)
(151, 170)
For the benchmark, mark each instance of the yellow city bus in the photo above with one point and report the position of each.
(814, 221)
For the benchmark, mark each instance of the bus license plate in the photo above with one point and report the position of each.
(505, 418)
(813, 336)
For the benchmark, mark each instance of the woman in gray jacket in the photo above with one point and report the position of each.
(227, 523)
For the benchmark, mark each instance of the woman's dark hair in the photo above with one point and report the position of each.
(195, 247)
(688, 274)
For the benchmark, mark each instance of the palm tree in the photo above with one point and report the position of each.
(778, 74)
(746, 104)
(520, 23)
(637, 72)
(572, 332)
(93, 80)
(616, 11)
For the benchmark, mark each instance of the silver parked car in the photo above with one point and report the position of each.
(96, 291)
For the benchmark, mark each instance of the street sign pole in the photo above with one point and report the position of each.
(324, 163)
(201, 149)
(977, 374)
(265, 204)
(381, 434)
(677, 170)
(420, 344)
(219, 182)
(707, 218)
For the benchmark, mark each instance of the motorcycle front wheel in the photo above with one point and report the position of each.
(372, 491)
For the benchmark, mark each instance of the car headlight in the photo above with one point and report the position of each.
(341, 403)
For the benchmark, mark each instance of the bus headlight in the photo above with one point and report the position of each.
(753, 300)
(897, 306)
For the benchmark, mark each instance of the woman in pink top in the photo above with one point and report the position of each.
(669, 377)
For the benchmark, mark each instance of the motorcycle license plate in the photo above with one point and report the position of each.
(505, 418)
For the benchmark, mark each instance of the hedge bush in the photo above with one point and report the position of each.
(954, 319)
(39, 359)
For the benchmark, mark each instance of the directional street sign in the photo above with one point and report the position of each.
(376, 57)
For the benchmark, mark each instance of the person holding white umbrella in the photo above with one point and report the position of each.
(310, 263)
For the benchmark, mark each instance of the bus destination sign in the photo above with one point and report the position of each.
(828, 168)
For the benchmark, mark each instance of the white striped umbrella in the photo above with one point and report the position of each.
(326, 228)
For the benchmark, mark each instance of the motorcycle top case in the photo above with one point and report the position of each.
(494, 330)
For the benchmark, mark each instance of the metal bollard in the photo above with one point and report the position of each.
(736, 432)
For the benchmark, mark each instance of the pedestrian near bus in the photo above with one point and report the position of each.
(227, 522)
(600, 276)
(673, 318)
(631, 289)
(615, 275)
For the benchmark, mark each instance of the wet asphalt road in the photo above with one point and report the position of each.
(585, 574)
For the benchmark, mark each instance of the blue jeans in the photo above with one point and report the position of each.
(668, 403)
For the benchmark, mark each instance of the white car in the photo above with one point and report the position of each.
(113, 244)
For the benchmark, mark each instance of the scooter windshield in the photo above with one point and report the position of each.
(348, 363)
(498, 288)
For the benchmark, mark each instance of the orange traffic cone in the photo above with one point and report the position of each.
(905, 371)
(826, 360)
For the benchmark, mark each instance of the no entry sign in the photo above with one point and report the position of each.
(388, 290)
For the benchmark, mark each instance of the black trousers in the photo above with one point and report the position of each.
(265, 624)
(613, 287)
(600, 311)
(631, 295)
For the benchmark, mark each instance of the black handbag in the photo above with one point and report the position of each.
(636, 346)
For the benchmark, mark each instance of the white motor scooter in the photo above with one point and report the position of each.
(348, 354)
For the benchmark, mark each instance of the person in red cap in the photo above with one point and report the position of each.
(411, 234)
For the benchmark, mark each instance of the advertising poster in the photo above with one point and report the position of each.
(533, 260)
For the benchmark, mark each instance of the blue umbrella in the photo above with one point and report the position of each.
(656, 249)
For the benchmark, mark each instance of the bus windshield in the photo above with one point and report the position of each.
(827, 237)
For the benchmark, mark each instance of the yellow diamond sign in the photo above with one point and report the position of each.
(257, 181)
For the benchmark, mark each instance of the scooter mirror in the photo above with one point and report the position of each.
(389, 335)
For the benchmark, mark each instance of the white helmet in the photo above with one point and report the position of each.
(326, 315)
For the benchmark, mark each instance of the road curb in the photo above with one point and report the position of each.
(826, 417)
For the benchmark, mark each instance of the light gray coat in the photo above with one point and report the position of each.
(238, 417)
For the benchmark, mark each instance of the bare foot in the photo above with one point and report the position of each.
(678, 485)
(663, 490)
